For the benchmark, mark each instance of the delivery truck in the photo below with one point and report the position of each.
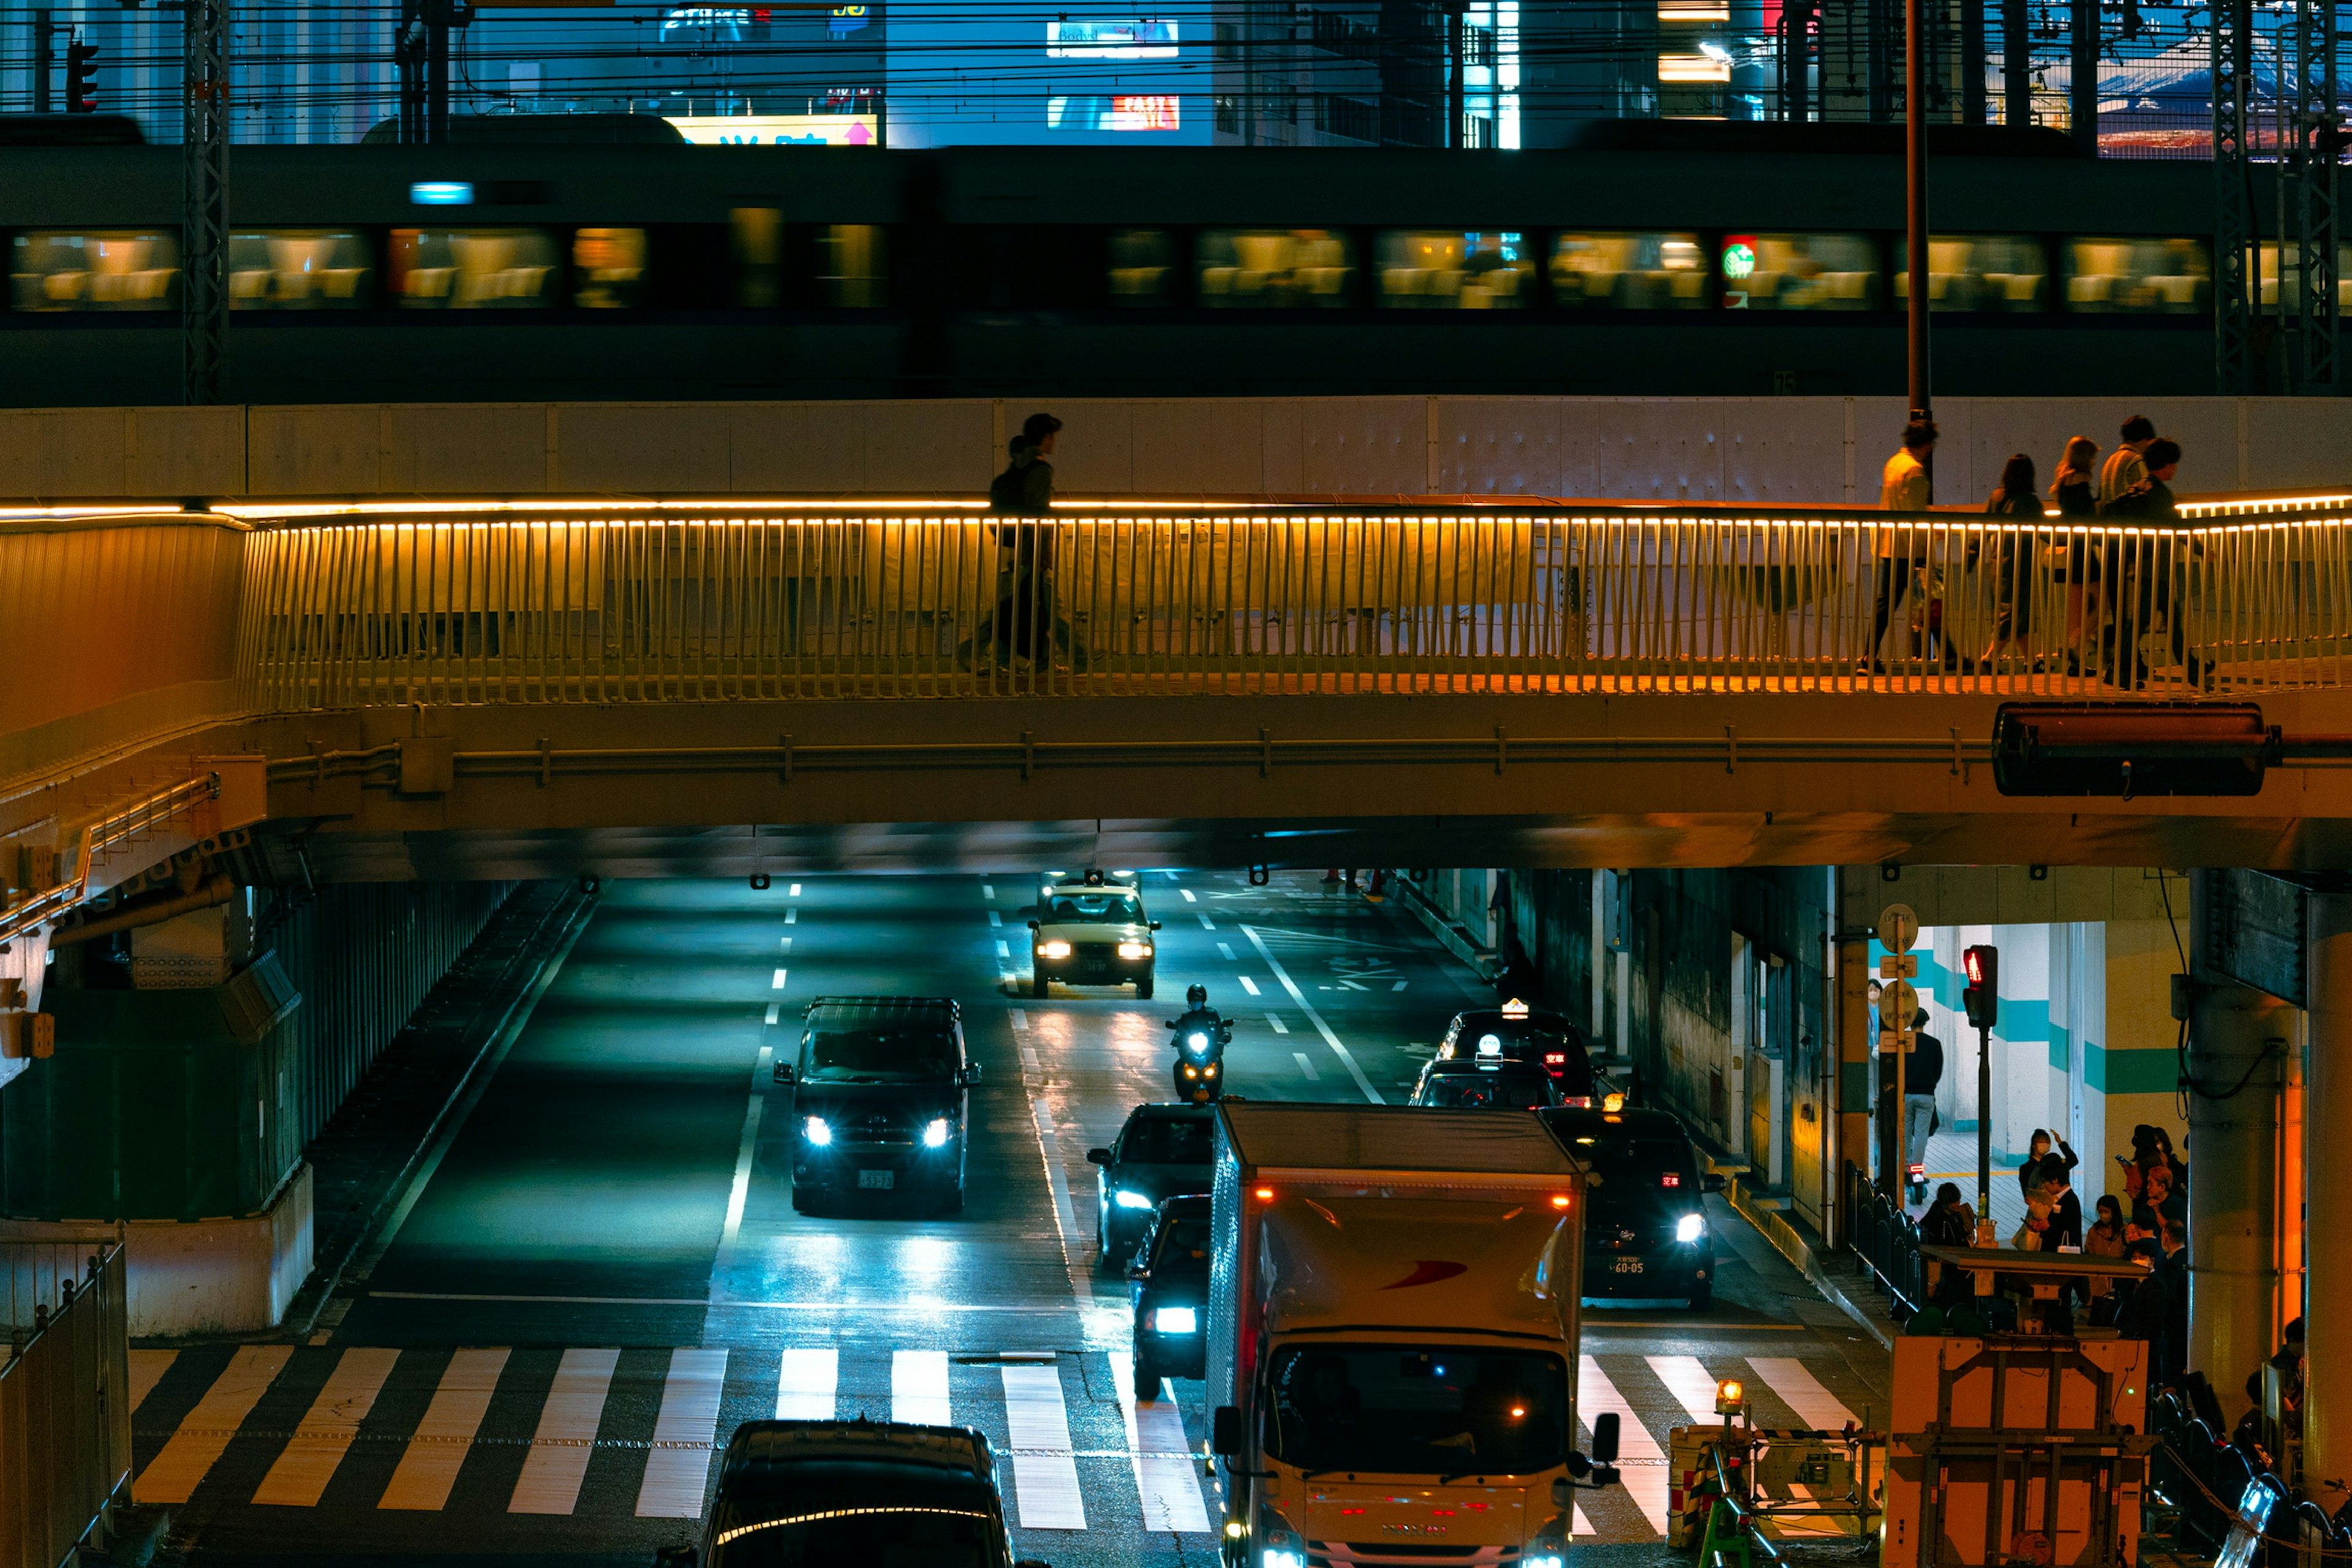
(1392, 1337)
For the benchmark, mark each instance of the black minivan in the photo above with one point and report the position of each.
(880, 1096)
(796, 1492)
(1646, 1234)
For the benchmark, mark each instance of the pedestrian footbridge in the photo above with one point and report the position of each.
(457, 690)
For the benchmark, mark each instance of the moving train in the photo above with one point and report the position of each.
(1663, 262)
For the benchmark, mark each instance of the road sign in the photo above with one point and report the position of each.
(1898, 1004)
(1898, 928)
(1899, 966)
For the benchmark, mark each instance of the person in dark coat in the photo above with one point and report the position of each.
(2152, 562)
(2148, 1312)
(2015, 557)
(2077, 492)
(2065, 1208)
(2037, 1149)
(1025, 615)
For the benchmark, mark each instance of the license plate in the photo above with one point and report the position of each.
(1629, 1265)
(877, 1181)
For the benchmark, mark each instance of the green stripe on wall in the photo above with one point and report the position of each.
(2113, 1071)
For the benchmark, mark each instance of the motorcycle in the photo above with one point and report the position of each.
(1202, 1038)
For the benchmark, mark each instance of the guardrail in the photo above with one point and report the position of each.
(563, 603)
(64, 1403)
(1883, 1236)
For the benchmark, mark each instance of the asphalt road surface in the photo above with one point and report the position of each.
(600, 1272)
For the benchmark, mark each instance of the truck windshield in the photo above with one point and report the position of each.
(1093, 909)
(1402, 1410)
(929, 1535)
(878, 1052)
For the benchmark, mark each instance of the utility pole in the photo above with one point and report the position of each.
(203, 223)
(420, 52)
(2235, 258)
(1915, 196)
(43, 30)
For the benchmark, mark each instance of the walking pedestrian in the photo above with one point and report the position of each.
(2153, 559)
(2125, 466)
(2014, 558)
(2076, 491)
(1921, 1076)
(1026, 619)
(1905, 484)
(2037, 1149)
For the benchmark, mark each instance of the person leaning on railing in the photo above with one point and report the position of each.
(2153, 565)
(2018, 549)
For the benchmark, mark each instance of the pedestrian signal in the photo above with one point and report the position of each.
(1983, 997)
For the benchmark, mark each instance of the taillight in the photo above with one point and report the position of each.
(1578, 1102)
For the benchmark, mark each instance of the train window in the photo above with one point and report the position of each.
(608, 268)
(112, 269)
(1447, 269)
(849, 265)
(1980, 272)
(1799, 272)
(1276, 268)
(756, 235)
(474, 268)
(1143, 266)
(2161, 277)
(1629, 271)
(298, 269)
(2276, 279)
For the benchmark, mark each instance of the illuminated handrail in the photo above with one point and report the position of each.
(117, 827)
(554, 602)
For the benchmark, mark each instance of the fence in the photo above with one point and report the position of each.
(64, 1404)
(561, 605)
(1883, 1236)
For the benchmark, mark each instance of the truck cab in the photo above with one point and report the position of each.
(1392, 1337)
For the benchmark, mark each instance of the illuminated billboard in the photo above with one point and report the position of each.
(1085, 40)
(777, 130)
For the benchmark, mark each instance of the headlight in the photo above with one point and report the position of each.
(1128, 1200)
(1053, 950)
(1282, 1557)
(1135, 949)
(1690, 1227)
(1191, 1071)
(816, 1131)
(1196, 1042)
(1176, 1320)
(1549, 1560)
(935, 1135)
(1209, 1070)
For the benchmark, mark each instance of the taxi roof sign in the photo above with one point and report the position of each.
(1515, 1008)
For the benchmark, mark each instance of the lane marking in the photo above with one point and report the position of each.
(1353, 985)
(1644, 1469)
(778, 982)
(1341, 1051)
(308, 1462)
(806, 1385)
(560, 1449)
(792, 917)
(995, 919)
(204, 1435)
(1250, 985)
(1020, 1021)
(775, 1011)
(1305, 1066)
(794, 891)
(1188, 895)
(1029, 1059)
(1402, 985)
(1206, 923)
(147, 1369)
(987, 890)
(919, 1388)
(1002, 950)
(739, 1191)
(436, 1450)
(1165, 1477)
(1226, 951)
(1687, 1379)
(787, 942)
(1801, 1392)
(1045, 1484)
(683, 1436)
(1274, 1021)
(701, 1303)
(1583, 1526)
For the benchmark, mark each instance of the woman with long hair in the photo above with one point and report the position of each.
(2012, 616)
(2076, 491)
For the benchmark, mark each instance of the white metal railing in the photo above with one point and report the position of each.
(555, 603)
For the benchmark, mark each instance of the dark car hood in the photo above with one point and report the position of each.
(1158, 1182)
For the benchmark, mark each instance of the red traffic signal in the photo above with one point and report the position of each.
(81, 78)
(1983, 997)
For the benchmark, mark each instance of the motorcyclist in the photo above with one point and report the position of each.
(1202, 1038)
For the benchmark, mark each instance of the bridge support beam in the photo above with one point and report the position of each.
(2237, 1036)
(2328, 1178)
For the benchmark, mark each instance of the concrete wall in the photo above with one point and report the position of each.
(1783, 450)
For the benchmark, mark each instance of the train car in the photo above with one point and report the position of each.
(366, 273)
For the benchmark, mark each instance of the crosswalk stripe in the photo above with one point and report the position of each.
(1044, 1477)
(1582, 1528)
(1801, 1392)
(303, 1467)
(1687, 1379)
(684, 1433)
(806, 1385)
(919, 1387)
(147, 1369)
(436, 1450)
(1645, 1462)
(560, 1449)
(1165, 1481)
(192, 1451)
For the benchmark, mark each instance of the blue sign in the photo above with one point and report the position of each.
(441, 193)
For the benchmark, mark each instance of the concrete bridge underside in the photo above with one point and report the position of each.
(728, 788)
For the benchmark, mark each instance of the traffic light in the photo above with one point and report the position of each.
(1983, 997)
(81, 77)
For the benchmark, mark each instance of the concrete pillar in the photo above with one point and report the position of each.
(2236, 1033)
(2328, 1178)
(2135, 1064)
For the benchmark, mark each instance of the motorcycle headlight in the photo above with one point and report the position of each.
(816, 1131)
(1690, 1227)
(1211, 1069)
(1053, 950)
(1128, 1200)
(1135, 949)
(1176, 1320)
(1196, 1042)
(935, 1134)
(1191, 1071)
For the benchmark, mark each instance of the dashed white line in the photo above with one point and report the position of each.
(1346, 1058)
(792, 917)
(775, 1012)
(778, 984)
(1401, 984)
(1226, 951)
(1020, 1020)
(1188, 895)
(786, 943)
(1029, 1061)
(1274, 1021)
(1206, 923)
(987, 890)
(1002, 950)
(995, 919)
(1305, 1066)
(794, 892)
(1250, 985)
